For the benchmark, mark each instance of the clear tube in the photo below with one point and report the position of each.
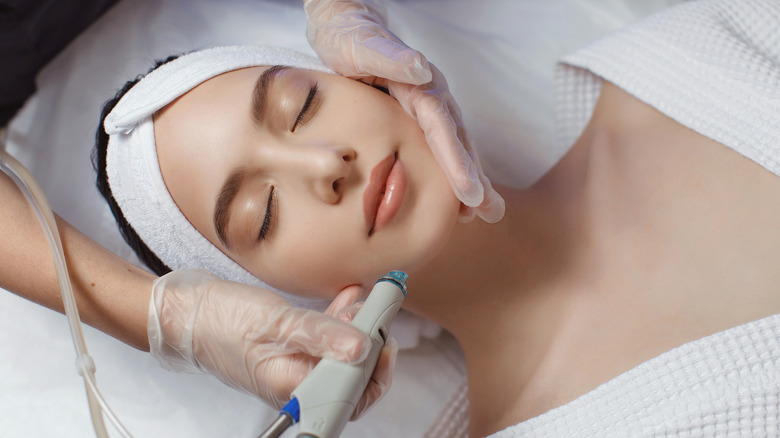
(84, 363)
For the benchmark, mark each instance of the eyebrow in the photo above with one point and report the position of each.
(222, 209)
(231, 185)
(260, 92)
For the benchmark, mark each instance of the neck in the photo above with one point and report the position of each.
(500, 288)
(489, 266)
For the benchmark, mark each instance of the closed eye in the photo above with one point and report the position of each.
(269, 213)
(309, 107)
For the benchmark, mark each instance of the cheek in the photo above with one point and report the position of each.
(433, 224)
(311, 256)
(368, 115)
(433, 217)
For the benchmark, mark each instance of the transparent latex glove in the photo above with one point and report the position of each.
(352, 38)
(252, 339)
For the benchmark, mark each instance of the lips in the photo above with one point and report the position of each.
(384, 193)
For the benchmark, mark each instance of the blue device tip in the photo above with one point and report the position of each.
(399, 276)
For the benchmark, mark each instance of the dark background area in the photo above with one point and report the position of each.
(32, 32)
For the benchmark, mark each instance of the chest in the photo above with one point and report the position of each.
(687, 245)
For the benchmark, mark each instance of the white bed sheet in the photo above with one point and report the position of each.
(498, 56)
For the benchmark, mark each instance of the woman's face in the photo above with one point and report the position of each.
(311, 181)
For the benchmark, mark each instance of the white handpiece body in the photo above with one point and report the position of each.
(328, 395)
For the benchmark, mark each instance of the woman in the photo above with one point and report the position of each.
(112, 294)
(631, 290)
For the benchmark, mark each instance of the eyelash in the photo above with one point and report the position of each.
(270, 207)
(305, 113)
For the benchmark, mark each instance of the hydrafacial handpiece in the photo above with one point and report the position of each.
(324, 401)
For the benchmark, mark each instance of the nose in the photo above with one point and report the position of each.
(323, 170)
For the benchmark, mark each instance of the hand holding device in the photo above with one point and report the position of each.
(249, 338)
(331, 393)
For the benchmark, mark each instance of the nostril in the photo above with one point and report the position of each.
(347, 154)
(336, 186)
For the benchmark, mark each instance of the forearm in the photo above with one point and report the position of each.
(112, 294)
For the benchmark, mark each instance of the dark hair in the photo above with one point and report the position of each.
(99, 163)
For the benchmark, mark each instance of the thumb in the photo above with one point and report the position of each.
(346, 304)
(347, 297)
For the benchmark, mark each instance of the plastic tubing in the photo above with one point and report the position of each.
(84, 363)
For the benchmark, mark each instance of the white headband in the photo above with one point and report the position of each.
(134, 173)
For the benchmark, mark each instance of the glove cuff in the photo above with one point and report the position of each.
(170, 324)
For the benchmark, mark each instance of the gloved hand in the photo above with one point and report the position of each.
(351, 37)
(252, 339)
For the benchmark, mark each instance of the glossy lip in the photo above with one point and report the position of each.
(375, 204)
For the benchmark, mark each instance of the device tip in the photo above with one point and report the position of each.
(399, 276)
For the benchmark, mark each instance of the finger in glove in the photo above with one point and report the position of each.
(440, 121)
